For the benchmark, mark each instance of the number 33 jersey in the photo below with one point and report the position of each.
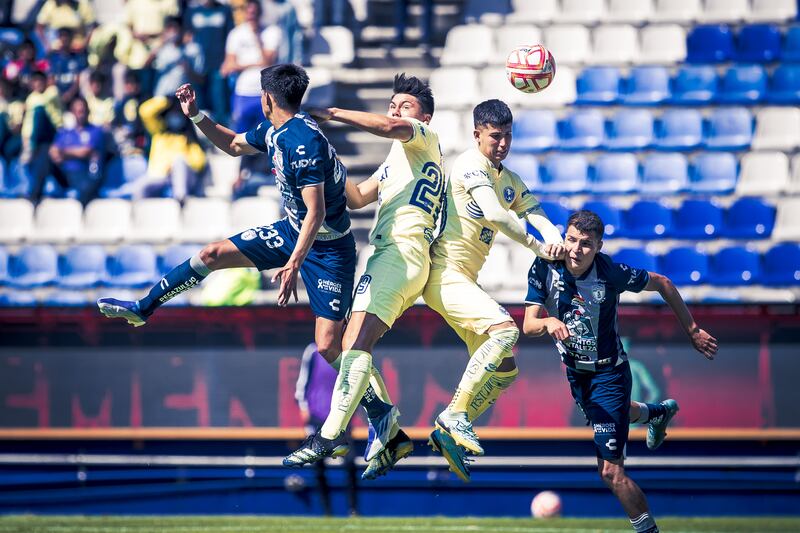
(410, 190)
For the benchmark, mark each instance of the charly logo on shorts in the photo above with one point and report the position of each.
(363, 284)
(249, 235)
(508, 194)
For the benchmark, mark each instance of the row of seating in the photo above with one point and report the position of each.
(759, 43)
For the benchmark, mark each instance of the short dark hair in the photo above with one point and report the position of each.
(417, 88)
(286, 82)
(78, 98)
(588, 222)
(97, 76)
(38, 74)
(492, 112)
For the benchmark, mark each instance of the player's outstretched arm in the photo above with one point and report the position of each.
(362, 194)
(701, 340)
(227, 140)
(553, 242)
(380, 125)
(536, 325)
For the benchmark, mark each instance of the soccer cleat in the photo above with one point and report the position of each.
(381, 431)
(460, 428)
(454, 454)
(657, 427)
(399, 447)
(113, 308)
(315, 448)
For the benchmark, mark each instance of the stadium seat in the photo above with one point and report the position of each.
(777, 128)
(646, 86)
(784, 87)
(452, 130)
(709, 44)
(525, 11)
(332, 46)
(66, 298)
(253, 212)
(763, 173)
(773, 10)
(758, 43)
(132, 266)
(205, 220)
(105, 220)
(120, 173)
(717, 11)
(321, 90)
(685, 266)
(581, 130)
(509, 37)
(662, 44)
(679, 129)
(694, 84)
(586, 12)
(636, 258)
(790, 51)
(15, 182)
(743, 84)
(629, 11)
(558, 215)
(698, 219)
(569, 43)
(559, 94)
(664, 174)
(471, 45)
(781, 265)
(535, 131)
(794, 179)
(615, 44)
(647, 219)
(33, 266)
(735, 265)
(714, 173)
(16, 220)
(729, 129)
(460, 84)
(526, 166)
(493, 274)
(494, 84)
(610, 215)
(630, 129)
(787, 221)
(476, 11)
(3, 265)
(564, 173)
(82, 266)
(598, 85)
(18, 299)
(749, 218)
(154, 220)
(57, 220)
(175, 255)
(615, 174)
(682, 11)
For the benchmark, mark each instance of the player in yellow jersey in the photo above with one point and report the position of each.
(409, 188)
(480, 194)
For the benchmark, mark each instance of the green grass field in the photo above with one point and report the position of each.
(255, 524)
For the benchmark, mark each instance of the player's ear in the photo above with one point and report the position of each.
(476, 134)
(426, 118)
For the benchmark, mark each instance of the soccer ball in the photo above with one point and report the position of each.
(546, 504)
(530, 69)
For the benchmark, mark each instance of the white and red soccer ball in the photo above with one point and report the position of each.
(530, 69)
(546, 504)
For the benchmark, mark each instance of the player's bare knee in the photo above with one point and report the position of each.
(612, 474)
(329, 349)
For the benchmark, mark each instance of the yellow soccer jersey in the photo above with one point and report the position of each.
(467, 237)
(410, 189)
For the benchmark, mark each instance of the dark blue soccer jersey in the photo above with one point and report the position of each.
(587, 305)
(301, 156)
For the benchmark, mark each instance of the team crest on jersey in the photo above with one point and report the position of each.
(508, 194)
(363, 284)
(486, 235)
(599, 293)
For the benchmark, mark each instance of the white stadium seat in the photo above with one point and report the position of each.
(569, 43)
(584, 12)
(252, 212)
(509, 37)
(155, 220)
(205, 220)
(455, 87)
(57, 220)
(614, 44)
(794, 181)
(105, 220)
(494, 274)
(321, 90)
(662, 44)
(562, 92)
(536, 11)
(772, 10)
(777, 128)
(629, 11)
(495, 84)
(471, 45)
(715, 11)
(332, 46)
(763, 173)
(787, 220)
(682, 11)
(452, 130)
(16, 220)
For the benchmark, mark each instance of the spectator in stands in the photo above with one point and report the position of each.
(211, 22)
(43, 116)
(283, 13)
(24, 64)
(12, 109)
(425, 23)
(146, 19)
(101, 103)
(75, 15)
(175, 60)
(127, 128)
(66, 64)
(255, 172)
(76, 154)
(250, 47)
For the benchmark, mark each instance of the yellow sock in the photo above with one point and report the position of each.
(375, 380)
(491, 390)
(354, 374)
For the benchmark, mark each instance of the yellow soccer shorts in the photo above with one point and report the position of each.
(392, 281)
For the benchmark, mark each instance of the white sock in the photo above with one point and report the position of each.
(644, 523)
(644, 413)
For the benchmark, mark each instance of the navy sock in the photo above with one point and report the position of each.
(181, 278)
(656, 410)
(375, 406)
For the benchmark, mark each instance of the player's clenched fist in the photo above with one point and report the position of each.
(188, 100)
(557, 329)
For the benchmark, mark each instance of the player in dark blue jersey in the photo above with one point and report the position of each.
(580, 295)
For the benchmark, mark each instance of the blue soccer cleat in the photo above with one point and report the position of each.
(130, 311)
(455, 455)
(458, 426)
(657, 427)
(399, 447)
(315, 448)
(381, 431)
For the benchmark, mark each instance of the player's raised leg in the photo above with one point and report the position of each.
(657, 416)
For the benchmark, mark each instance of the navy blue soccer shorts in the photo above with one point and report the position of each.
(605, 398)
(327, 272)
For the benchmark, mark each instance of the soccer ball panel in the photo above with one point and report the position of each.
(530, 69)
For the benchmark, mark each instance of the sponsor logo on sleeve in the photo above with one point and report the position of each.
(249, 235)
(363, 284)
(486, 235)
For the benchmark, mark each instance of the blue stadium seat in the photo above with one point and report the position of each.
(759, 43)
(685, 266)
(17, 299)
(679, 129)
(132, 266)
(647, 219)
(736, 265)
(33, 266)
(714, 173)
(664, 174)
(527, 166)
(636, 258)
(581, 130)
(175, 255)
(615, 173)
(790, 53)
(698, 219)
(694, 84)
(646, 86)
(564, 173)
(67, 298)
(598, 85)
(630, 129)
(119, 173)
(782, 265)
(534, 131)
(784, 87)
(709, 44)
(558, 215)
(15, 181)
(3, 265)
(729, 129)
(610, 215)
(82, 266)
(743, 84)
(749, 218)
